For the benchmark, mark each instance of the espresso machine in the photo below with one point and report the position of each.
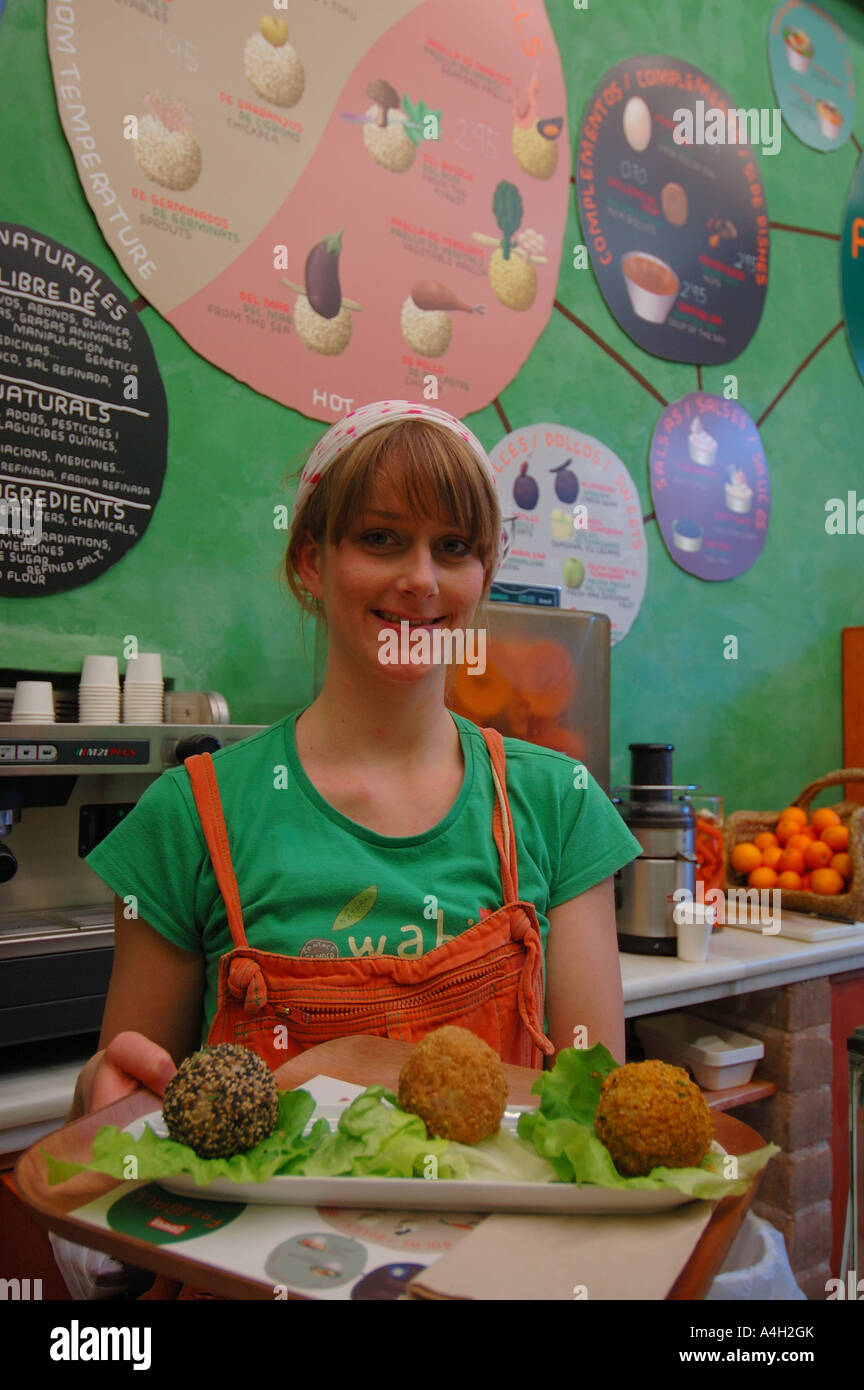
(63, 788)
(661, 817)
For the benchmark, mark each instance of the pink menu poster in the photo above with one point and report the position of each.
(334, 202)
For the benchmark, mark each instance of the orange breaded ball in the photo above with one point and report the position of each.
(456, 1084)
(651, 1115)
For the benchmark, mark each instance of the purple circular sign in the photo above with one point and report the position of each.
(710, 485)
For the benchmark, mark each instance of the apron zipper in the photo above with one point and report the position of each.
(307, 1013)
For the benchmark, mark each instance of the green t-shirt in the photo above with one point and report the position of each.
(310, 877)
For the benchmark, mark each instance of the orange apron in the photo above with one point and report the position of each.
(488, 979)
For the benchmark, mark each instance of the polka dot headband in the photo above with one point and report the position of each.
(368, 417)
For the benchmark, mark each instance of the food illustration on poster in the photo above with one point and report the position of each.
(811, 69)
(206, 138)
(710, 486)
(674, 216)
(852, 266)
(83, 419)
(578, 526)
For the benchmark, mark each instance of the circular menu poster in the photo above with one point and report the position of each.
(577, 521)
(710, 485)
(811, 68)
(852, 266)
(83, 419)
(335, 202)
(673, 211)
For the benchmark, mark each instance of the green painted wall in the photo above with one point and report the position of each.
(202, 587)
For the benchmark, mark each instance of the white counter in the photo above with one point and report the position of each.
(739, 962)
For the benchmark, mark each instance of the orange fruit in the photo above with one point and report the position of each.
(837, 836)
(765, 840)
(805, 884)
(785, 829)
(801, 840)
(843, 865)
(794, 813)
(791, 861)
(788, 879)
(746, 857)
(771, 856)
(823, 817)
(818, 855)
(762, 878)
(827, 881)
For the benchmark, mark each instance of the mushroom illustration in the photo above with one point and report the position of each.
(384, 133)
(166, 151)
(426, 324)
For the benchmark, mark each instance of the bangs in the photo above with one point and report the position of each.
(434, 472)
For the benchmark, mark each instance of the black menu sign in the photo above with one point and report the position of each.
(673, 208)
(83, 419)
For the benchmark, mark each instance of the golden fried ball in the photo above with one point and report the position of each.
(651, 1115)
(456, 1084)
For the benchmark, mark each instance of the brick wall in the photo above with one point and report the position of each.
(794, 1023)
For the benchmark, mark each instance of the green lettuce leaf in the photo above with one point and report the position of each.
(115, 1152)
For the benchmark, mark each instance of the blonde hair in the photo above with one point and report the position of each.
(436, 473)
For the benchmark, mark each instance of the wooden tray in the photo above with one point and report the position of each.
(363, 1060)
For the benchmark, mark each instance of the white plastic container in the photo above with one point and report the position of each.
(717, 1057)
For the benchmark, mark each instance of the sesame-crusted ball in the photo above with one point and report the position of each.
(456, 1084)
(651, 1115)
(390, 145)
(426, 330)
(277, 74)
(222, 1101)
(327, 336)
(171, 158)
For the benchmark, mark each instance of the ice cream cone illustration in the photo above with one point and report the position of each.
(535, 141)
(166, 151)
(272, 66)
(322, 317)
(512, 272)
(425, 320)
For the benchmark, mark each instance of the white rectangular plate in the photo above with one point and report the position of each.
(420, 1194)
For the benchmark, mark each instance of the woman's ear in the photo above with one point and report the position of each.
(308, 565)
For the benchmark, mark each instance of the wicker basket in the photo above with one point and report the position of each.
(744, 825)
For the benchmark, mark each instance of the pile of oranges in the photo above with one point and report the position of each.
(805, 858)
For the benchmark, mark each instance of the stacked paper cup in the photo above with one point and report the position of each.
(99, 691)
(33, 703)
(143, 690)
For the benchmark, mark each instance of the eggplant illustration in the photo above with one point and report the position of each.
(322, 276)
(566, 483)
(526, 493)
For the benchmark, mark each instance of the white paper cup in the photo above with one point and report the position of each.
(33, 703)
(702, 453)
(694, 923)
(647, 304)
(100, 672)
(144, 669)
(830, 129)
(797, 61)
(738, 501)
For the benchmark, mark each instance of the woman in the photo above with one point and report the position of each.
(370, 831)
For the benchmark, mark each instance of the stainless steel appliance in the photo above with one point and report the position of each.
(63, 787)
(662, 819)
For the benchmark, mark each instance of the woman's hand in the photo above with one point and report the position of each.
(129, 1061)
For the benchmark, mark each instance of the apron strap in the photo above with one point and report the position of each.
(502, 821)
(205, 789)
